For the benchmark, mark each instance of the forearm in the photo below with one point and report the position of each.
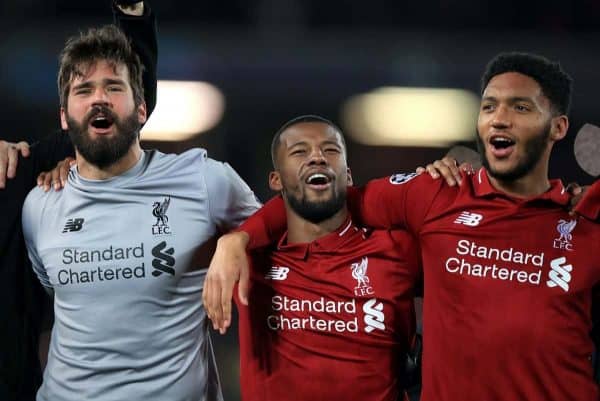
(138, 22)
(267, 225)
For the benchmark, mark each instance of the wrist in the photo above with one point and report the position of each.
(238, 239)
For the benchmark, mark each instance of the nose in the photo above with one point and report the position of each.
(501, 117)
(317, 157)
(100, 97)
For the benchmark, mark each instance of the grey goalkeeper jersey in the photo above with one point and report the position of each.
(119, 255)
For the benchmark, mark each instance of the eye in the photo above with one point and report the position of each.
(522, 107)
(114, 88)
(83, 91)
(487, 107)
(298, 152)
(332, 150)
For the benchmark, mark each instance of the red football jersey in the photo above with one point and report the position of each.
(329, 320)
(589, 206)
(508, 287)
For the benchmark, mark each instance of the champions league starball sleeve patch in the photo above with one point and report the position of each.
(397, 179)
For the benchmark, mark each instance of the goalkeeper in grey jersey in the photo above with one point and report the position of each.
(119, 246)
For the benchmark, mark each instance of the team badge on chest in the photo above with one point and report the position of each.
(565, 228)
(159, 211)
(359, 273)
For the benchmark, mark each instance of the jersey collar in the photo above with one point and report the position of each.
(329, 242)
(483, 187)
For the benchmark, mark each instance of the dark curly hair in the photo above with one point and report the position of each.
(556, 84)
(106, 43)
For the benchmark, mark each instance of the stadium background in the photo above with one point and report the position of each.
(271, 60)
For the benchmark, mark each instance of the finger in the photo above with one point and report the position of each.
(226, 295)
(3, 162)
(209, 300)
(23, 148)
(244, 284)
(452, 164)
(432, 171)
(40, 179)
(47, 180)
(574, 188)
(13, 160)
(64, 171)
(445, 172)
(56, 177)
(467, 168)
(420, 170)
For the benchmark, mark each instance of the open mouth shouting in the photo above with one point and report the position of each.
(318, 181)
(102, 121)
(501, 145)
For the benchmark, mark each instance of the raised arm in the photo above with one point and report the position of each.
(137, 21)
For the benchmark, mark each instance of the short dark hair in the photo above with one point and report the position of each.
(107, 43)
(307, 118)
(556, 84)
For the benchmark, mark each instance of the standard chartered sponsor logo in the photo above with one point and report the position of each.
(75, 257)
(340, 316)
(374, 317)
(163, 261)
(70, 276)
(560, 275)
(278, 321)
(113, 263)
(475, 267)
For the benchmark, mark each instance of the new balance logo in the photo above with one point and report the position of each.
(468, 219)
(164, 260)
(374, 317)
(277, 273)
(75, 224)
(560, 275)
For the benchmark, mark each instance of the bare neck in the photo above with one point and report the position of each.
(92, 172)
(533, 184)
(301, 230)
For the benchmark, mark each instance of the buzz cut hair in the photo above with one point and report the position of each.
(307, 118)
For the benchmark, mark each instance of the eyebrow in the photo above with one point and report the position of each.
(513, 99)
(301, 143)
(105, 82)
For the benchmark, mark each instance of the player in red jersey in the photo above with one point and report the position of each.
(332, 315)
(509, 275)
(589, 206)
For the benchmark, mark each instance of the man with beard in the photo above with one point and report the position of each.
(26, 309)
(509, 278)
(332, 311)
(121, 248)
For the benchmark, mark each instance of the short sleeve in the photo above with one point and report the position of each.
(31, 226)
(230, 199)
(400, 200)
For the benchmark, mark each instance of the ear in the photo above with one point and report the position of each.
(63, 119)
(559, 127)
(349, 174)
(142, 113)
(275, 181)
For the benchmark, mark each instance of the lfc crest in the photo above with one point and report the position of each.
(359, 273)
